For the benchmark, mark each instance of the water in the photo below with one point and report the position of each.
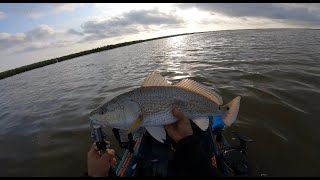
(44, 127)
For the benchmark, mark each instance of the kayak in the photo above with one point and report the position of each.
(145, 156)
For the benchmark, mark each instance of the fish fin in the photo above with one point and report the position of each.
(201, 89)
(131, 110)
(155, 79)
(232, 111)
(159, 133)
(202, 122)
(135, 124)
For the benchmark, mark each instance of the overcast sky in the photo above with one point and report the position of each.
(37, 31)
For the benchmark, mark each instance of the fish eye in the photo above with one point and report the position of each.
(101, 112)
(227, 108)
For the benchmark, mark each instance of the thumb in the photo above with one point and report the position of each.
(106, 157)
(178, 114)
(168, 127)
(92, 152)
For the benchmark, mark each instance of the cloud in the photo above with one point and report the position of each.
(33, 46)
(106, 33)
(44, 36)
(75, 32)
(38, 10)
(9, 40)
(291, 12)
(33, 11)
(128, 23)
(61, 7)
(40, 37)
(2, 15)
(149, 17)
(40, 33)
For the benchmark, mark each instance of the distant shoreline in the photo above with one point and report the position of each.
(36, 65)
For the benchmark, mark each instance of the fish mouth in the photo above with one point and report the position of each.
(93, 118)
(95, 121)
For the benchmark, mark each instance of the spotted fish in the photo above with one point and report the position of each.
(150, 106)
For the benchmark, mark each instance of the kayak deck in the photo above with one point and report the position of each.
(151, 158)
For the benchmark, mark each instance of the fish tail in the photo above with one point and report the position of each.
(232, 110)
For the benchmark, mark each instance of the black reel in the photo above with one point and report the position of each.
(99, 136)
(243, 140)
(236, 158)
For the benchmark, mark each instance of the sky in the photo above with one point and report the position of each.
(33, 32)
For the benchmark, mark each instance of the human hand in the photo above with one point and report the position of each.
(99, 165)
(181, 129)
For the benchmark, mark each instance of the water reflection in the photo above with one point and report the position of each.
(176, 42)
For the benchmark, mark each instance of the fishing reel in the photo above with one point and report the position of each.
(99, 136)
(234, 157)
(243, 140)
